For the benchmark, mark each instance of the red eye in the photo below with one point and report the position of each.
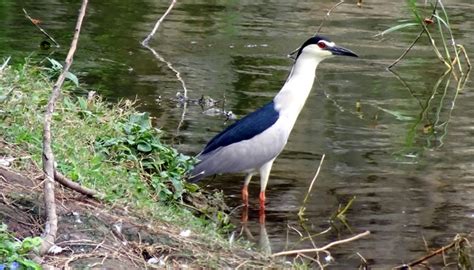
(322, 45)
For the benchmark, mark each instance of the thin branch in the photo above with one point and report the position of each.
(152, 33)
(327, 15)
(292, 252)
(416, 39)
(168, 64)
(51, 225)
(36, 23)
(407, 50)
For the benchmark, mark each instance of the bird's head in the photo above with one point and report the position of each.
(320, 48)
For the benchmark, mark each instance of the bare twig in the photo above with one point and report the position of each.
(36, 23)
(152, 33)
(292, 252)
(406, 50)
(51, 225)
(168, 64)
(328, 14)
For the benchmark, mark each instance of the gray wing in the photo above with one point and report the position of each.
(244, 156)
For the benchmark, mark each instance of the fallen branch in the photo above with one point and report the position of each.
(442, 250)
(51, 225)
(36, 23)
(63, 180)
(326, 247)
(75, 186)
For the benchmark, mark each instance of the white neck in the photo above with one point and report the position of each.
(291, 98)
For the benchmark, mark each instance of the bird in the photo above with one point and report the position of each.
(252, 144)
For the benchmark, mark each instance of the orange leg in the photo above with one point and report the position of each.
(262, 200)
(245, 195)
(245, 215)
(261, 213)
(245, 192)
(264, 175)
(261, 217)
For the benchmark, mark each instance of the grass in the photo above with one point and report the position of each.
(111, 148)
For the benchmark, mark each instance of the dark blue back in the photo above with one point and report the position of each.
(244, 129)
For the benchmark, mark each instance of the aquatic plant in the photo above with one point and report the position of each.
(438, 15)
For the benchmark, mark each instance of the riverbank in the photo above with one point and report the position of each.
(145, 216)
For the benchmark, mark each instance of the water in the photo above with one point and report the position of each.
(408, 185)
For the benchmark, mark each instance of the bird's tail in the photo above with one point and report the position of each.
(195, 177)
(197, 173)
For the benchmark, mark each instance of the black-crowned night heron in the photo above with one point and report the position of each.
(251, 144)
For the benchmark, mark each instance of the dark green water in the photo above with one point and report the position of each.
(409, 184)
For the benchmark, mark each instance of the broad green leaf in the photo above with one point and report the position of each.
(73, 78)
(144, 147)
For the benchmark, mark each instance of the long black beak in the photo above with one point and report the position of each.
(341, 51)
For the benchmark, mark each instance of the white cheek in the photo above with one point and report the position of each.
(316, 51)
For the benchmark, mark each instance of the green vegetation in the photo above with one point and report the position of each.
(434, 13)
(137, 143)
(115, 150)
(13, 251)
(430, 126)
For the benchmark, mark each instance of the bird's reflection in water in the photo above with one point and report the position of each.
(263, 242)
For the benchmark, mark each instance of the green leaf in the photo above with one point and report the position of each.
(73, 78)
(144, 147)
(398, 115)
(29, 243)
(178, 187)
(396, 28)
(442, 21)
(55, 65)
(414, 9)
(141, 119)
